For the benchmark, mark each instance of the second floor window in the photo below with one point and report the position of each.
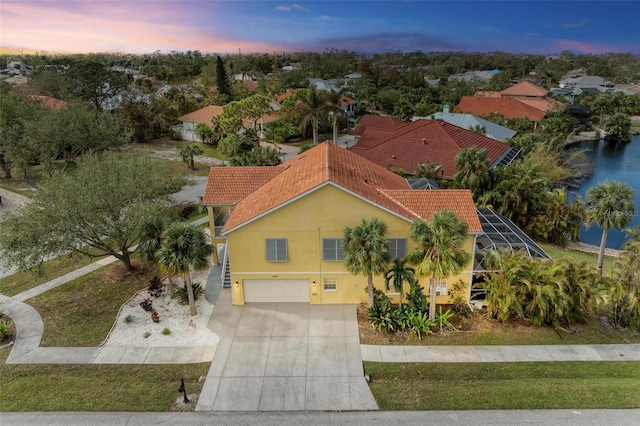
(332, 249)
(276, 249)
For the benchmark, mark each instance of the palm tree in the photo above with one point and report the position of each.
(366, 250)
(473, 167)
(184, 246)
(429, 170)
(602, 104)
(618, 128)
(313, 107)
(609, 205)
(440, 249)
(400, 273)
(188, 152)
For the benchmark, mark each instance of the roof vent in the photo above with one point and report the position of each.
(424, 141)
(393, 156)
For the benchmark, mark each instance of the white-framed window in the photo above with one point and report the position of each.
(332, 249)
(330, 285)
(276, 249)
(441, 287)
(398, 248)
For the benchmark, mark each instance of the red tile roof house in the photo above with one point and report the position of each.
(397, 145)
(524, 100)
(190, 121)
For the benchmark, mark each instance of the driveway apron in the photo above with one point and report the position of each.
(285, 357)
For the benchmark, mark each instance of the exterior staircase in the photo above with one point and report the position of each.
(226, 280)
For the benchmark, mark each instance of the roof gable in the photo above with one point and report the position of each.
(435, 141)
(525, 88)
(260, 190)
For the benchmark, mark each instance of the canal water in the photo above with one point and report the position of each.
(613, 161)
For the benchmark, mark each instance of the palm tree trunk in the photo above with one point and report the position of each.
(370, 288)
(314, 128)
(335, 128)
(603, 242)
(192, 300)
(432, 299)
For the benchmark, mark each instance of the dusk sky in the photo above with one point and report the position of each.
(145, 26)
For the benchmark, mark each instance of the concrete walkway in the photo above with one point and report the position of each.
(516, 353)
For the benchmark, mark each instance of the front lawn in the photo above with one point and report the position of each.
(505, 386)
(81, 312)
(95, 387)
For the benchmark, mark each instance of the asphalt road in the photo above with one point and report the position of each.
(368, 418)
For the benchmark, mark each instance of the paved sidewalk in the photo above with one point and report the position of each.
(516, 353)
(27, 349)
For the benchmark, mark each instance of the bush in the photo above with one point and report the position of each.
(442, 321)
(147, 305)
(4, 329)
(181, 292)
(417, 300)
(155, 287)
(128, 319)
(166, 331)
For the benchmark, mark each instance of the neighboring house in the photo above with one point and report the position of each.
(16, 69)
(470, 122)
(283, 226)
(402, 146)
(345, 103)
(585, 81)
(508, 108)
(188, 122)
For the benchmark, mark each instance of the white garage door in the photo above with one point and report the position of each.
(276, 291)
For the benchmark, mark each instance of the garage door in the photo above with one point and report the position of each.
(276, 291)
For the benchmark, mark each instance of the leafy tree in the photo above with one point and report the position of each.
(440, 250)
(100, 210)
(366, 250)
(93, 81)
(399, 274)
(188, 152)
(184, 246)
(16, 113)
(258, 156)
(609, 205)
(281, 130)
(618, 128)
(205, 133)
(224, 88)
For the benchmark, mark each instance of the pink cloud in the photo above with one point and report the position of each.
(587, 47)
(131, 27)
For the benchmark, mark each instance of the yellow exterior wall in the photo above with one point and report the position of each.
(323, 213)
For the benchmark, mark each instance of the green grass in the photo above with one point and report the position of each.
(81, 312)
(22, 281)
(467, 386)
(574, 256)
(95, 387)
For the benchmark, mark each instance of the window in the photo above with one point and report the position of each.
(276, 249)
(398, 248)
(441, 287)
(330, 284)
(332, 249)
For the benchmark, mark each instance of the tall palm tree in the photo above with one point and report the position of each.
(399, 274)
(618, 128)
(184, 246)
(473, 168)
(609, 205)
(440, 249)
(366, 250)
(602, 104)
(314, 106)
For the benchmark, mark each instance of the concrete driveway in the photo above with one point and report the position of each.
(285, 356)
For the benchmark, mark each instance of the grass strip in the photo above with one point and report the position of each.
(81, 312)
(95, 387)
(575, 256)
(23, 281)
(475, 386)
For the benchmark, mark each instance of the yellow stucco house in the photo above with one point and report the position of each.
(283, 225)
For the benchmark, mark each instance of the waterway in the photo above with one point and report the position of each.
(613, 161)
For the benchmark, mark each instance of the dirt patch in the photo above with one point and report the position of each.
(11, 202)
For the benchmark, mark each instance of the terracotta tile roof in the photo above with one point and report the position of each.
(376, 121)
(257, 194)
(203, 115)
(228, 185)
(544, 104)
(525, 88)
(508, 107)
(345, 100)
(421, 141)
(251, 86)
(285, 95)
(425, 203)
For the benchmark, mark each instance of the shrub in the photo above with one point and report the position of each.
(155, 287)
(154, 316)
(381, 314)
(417, 300)
(420, 324)
(456, 293)
(128, 319)
(147, 305)
(181, 292)
(166, 331)
(4, 329)
(442, 321)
